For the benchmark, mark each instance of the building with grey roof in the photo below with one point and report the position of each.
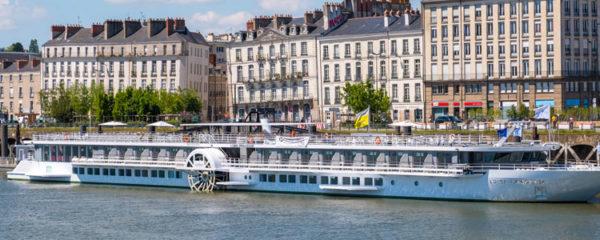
(386, 50)
(158, 53)
(19, 86)
(292, 69)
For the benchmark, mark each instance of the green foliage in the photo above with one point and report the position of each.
(360, 96)
(523, 112)
(512, 112)
(15, 47)
(579, 114)
(33, 46)
(63, 104)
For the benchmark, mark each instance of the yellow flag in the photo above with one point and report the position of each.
(362, 119)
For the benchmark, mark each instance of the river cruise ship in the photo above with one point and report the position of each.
(425, 167)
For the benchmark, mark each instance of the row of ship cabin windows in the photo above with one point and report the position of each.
(325, 180)
(127, 172)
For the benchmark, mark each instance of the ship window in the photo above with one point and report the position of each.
(96, 171)
(416, 183)
(379, 182)
(303, 179)
(324, 180)
(90, 171)
(368, 181)
(355, 181)
(81, 170)
(178, 174)
(112, 172)
(312, 179)
(282, 178)
(154, 173)
(161, 174)
(271, 177)
(346, 180)
(144, 173)
(441, 184)
(74, 170)
(333, 180)
(263, 178)
(171, 174)
(105, 171)
(292, 178)
(138, 173)
(128, 172)
(121, 172)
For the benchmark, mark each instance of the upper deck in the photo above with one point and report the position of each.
(375, 141)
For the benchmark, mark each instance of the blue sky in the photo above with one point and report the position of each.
(23, 20)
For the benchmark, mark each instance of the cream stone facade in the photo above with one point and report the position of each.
(19, 86)
(386, 50)
(159, 53)
(498, 54)
(273, 68)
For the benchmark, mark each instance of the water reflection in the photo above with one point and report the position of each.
(32, 210)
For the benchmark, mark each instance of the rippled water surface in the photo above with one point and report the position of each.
(74, 211)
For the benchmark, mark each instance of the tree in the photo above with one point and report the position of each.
(523, 112)
(33, 46)
(512, 112)
(16, 47)
(360, 96)
(102, 103)
(190, 100)
(60, 107)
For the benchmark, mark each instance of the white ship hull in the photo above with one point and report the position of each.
(575, 184)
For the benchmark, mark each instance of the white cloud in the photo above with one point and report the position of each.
(156, 1)
(218, 23)
(14, 12)
(287, 5)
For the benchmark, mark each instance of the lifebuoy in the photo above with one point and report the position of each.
(250, 139)
(66, 137)
(377, 140)
(186, 138)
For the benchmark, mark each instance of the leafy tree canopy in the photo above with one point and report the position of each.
(358, 97)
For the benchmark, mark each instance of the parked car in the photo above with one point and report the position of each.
(449, 119)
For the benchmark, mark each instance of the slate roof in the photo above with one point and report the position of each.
(84, 36)
(373, 25)
(13, 57)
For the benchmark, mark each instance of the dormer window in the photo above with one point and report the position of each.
(282, 30)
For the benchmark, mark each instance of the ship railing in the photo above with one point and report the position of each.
(535, 166)
(423, 169)
(240, 139)
(116, 161)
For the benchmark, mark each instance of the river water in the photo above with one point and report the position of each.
(31, 210)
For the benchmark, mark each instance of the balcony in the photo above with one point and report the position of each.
(279, 97)
(260, 58)
(163, 73)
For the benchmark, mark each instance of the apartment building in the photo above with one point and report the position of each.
(161, 54)
(273, 67)
(217, 76)
(386, 50)
(499, 54)
(19, 86)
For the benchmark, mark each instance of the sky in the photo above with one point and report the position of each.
(23, 20)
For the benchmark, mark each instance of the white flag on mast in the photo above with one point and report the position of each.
(542, 112)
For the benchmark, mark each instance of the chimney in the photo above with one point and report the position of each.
(21, 63)
(317, 15)
(97, 29)
(309, 18)
(34, 62)
(131, 27)
(261, 22)
(71, 30)
(5, 64)
(56, 31)
(407, 17)
(112, 27)
(249, 25)
(389, 18)
(170, 25)
(180, 25)
(155, 26)
(331, 13)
